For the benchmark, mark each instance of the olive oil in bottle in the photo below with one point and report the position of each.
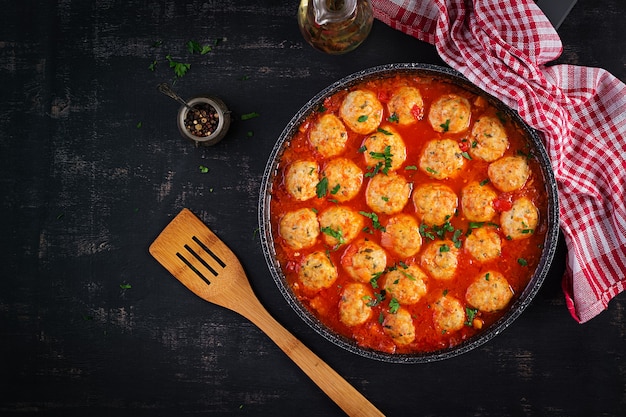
(335, 26)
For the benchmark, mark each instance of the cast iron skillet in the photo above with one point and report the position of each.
(267, 238)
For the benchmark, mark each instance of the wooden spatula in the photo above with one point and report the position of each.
(204, 264)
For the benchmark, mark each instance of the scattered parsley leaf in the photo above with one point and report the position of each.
(196, 47)
(250, 115)
(203, 169)
(180, 68)
(125, 286)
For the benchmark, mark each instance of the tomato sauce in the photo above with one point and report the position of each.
(518, 260)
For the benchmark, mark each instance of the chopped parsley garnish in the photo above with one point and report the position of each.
(444, 248)
(374, 279)
(374, 217)
(470, 313)
(393, 118)
(394, 305)
(445, 126)
(456, 238)
(410, 168)
(321, 188)
(425, 233)
(522, 262)
(378, 298)
(384, 132)
(362, 118)
(386, 155)
(334, 233)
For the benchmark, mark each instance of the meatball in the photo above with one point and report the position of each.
(440, 259)
(441, 159)
(340, 225)
(406, 105)
(399, 326)
(363, 260)
(299, 228)
(488, 139)
(434, 203)
(328, 135)
(402, 235)
(484, 244)
(489, 292)
(387, 194)
(344, 178)
(519, 222)
(509, 173)
(354, 308)
(317, 271)
(450, 113)
(477, 202)
(384, 147)
(361, 111)
(301, 179)
(448, 314)
(406, 284)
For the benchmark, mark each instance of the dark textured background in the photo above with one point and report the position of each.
(92, 168)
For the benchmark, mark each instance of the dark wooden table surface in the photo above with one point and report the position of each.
(92, 167)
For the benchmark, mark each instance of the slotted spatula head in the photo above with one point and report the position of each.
(204, 264)
(191, 252)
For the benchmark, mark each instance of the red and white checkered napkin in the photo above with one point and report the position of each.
(503, 47)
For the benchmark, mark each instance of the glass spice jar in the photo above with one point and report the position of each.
(206, 123)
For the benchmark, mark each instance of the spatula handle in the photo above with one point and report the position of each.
(351, 401)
